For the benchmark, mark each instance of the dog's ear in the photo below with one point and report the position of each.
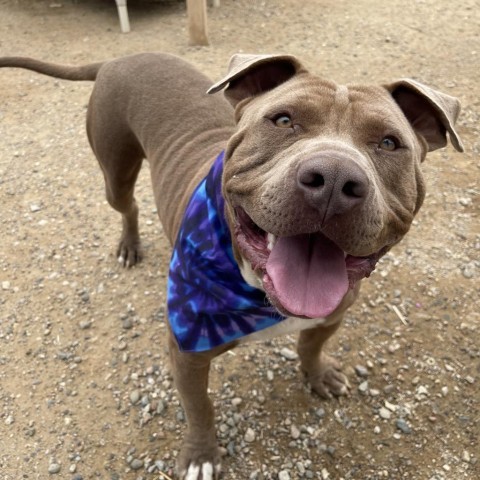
(250, 75)
(430, 112)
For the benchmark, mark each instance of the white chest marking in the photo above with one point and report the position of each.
(289, 325)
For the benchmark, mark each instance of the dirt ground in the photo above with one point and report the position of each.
(84, 384)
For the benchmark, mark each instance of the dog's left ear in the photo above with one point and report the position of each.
(430, 112)
(250, 75)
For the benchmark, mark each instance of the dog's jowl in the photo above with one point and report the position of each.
(278, 198)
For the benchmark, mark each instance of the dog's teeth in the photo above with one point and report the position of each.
(271, 241)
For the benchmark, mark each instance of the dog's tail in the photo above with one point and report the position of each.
(66, 72)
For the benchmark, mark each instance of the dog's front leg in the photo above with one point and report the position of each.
(321, 370)
(199, 458)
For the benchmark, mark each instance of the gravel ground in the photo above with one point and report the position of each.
(85, 389)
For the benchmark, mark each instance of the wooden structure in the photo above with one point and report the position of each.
(197, 19)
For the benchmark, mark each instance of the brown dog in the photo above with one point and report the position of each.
(319, 181)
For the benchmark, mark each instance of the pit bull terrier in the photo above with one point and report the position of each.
(279, 198)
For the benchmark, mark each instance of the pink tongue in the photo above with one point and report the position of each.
(309, 274)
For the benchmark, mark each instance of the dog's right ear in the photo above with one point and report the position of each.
(250, 75)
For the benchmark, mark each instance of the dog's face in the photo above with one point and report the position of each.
(321, 180)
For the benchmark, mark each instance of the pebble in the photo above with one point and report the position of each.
(134, 397)
(320, 412)
(363, 387)
(385, 413)
(403, 426)
(391, 406)
(127, 324)
(284, 475)
(466, 456)
(468, 270)
(249, 435)
(54, 468)
(9, 420)
(6, 285)
(422, 390)
(84, 324)
(288, 354)
(361, 371)
(136, 464)
(294, 432)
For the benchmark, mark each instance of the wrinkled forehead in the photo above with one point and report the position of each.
(322, 101)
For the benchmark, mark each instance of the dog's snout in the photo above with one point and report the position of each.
(334, 186)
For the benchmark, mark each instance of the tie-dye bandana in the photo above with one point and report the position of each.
(209, 302)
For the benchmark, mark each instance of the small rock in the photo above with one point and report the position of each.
(54, 468)
(136, 464)
(249, 435)
(35, 208)
(403, 426)
(422, 390)
(9, 420)
(284, 475)
(288, 354)
(361, 371)
(466, 456)
(391, 406)
(465, 201)
(5, 285)
(468, 270)
(134, 397)
(84, 324)
(363, 387)
(385, 413)
(294, 432)
(320, 412)
(127, 324)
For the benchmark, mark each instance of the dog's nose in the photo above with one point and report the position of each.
(332, 185)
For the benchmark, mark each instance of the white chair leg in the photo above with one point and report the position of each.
(123, 15)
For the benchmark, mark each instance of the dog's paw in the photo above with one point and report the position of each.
(198, 465)
(327, 379)
(203, 471)
(129, 253)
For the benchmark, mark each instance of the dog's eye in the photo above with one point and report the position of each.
(283, 121)
(389, 144)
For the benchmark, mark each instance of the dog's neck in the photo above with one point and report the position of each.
(209, 302)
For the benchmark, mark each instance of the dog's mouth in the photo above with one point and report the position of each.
(304, 275)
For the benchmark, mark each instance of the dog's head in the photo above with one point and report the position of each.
(320, 180)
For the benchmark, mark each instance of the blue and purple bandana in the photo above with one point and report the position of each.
(209, 302)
